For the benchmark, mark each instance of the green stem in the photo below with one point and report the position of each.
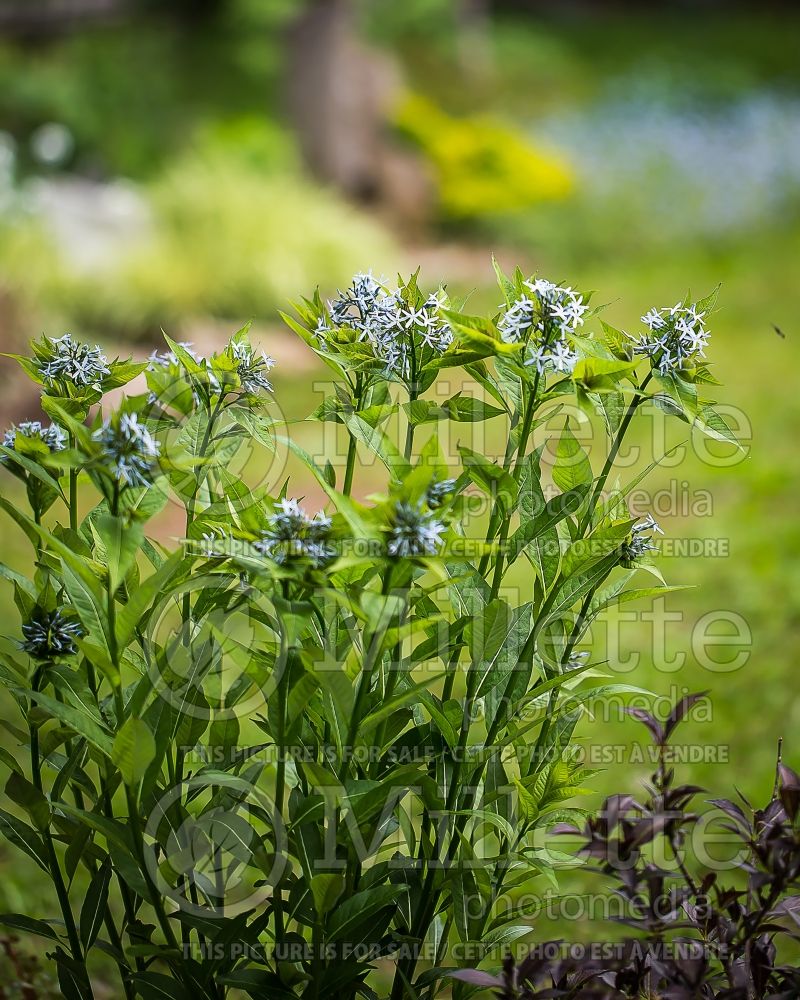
(133, 807)
(186, 604)
(494, 517)
(638, 399)
(350, 466)
(460, 822)
(73, 491)
(530, 643)
(372, 647)
(452, 669)
(352, 444)
(395, 669)
(280, 771)
(154, 895)
(585, 522)
(529, 404)
(413, 395)
(55, 868)
(52, 857)
(411, 427)
(427, 903)
(551, 701)
(530, 409)
(116, 942)
(527, 424)
(105, 803)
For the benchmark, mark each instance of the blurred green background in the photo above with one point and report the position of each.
(191, 165)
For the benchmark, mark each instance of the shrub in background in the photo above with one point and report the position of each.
(226, 232)
(482, 166)
(697, 935)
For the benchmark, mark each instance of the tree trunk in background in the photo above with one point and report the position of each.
(336, 90)
(473, 17)
(340, 94)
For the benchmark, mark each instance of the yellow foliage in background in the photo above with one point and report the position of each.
(483, 166)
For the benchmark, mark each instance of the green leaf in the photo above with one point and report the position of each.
(94, 905)
(491, 478)
(89, 601)
(468, 409)
(555, 510)
(495, 640)
(326, 889)
(459, 409)
(527, 803)
(598, 374)
(133, 751)
(349, 918)
(613, 407)
(379, 444)
(258, 983)
(29, 925)
(579, 585)
(28, 796)
(74, 688)
(713, 425)
(572, 467)
(629, 595)
(224, 732)
(122, 542)
(129, 618)
(22, 520)
(113, 830)
(72, 976)
(677, 396)
(82, 724)
(447, 729)
(18, 580)
(470, 892)
(507, 287)
(155, 986)
(24, 837)
(32, 468)
(391, 706)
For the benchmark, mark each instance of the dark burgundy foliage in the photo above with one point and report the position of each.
(698, 935)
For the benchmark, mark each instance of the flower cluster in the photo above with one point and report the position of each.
(542, 321)
(639, 542)
(677, 336)
(292, 534)
(414, 531)
(49, 635)
(577, 661)
(53, 436)
(169, 359)
(216, 543)
(252, 368)
(438, 491)
(171, 363)
(130, 448)
(393, 327)
(74, 363)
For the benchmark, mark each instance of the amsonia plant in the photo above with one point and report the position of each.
(312, 754)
